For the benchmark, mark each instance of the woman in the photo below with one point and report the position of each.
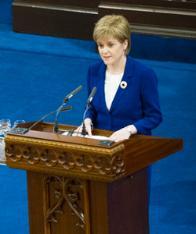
(126, 100)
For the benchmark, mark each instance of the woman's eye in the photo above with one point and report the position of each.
(110, 44)
(100, 45)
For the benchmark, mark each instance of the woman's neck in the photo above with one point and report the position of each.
(117, 68)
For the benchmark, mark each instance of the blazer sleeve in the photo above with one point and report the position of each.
(150, 103)
(91, 112)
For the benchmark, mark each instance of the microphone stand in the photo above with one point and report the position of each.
(19, 130)
(25, 130)
(62, 107)
(40, 120)
(59, 110)
(88, 105)
(84, 132)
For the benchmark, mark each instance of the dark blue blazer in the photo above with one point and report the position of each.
(136, 104)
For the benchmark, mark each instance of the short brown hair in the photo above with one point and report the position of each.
(116, 26)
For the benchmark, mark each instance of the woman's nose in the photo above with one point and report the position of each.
(104, 49)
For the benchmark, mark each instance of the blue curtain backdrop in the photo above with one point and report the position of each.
(36, 72)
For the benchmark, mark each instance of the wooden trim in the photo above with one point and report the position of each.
(171, 32)
(76, 20)
(55, 20)
(66, 8)
(150, 9)
(161, 3)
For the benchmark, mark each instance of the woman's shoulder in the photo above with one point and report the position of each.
(96, 69)
(139, 68)
(98, 64)
(138, 63)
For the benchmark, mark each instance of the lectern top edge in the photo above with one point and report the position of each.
(42, 151)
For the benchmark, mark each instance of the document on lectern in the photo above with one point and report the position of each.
(96, 137)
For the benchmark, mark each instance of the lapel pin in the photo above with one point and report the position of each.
(123, 84)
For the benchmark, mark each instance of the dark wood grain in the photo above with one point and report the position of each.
(76, 19)
(77, 186)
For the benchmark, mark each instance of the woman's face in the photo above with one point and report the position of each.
(111, 50)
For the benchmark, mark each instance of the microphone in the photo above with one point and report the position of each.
(61, 108)
(73, 93)
(66, 99)
(91, 96)
(52, 112)
(89, 100)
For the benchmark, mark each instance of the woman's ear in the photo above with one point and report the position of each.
(125, 44)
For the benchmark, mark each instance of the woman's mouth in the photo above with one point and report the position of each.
(106, 57)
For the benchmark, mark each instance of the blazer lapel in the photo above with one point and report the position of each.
(127, 78)
(101, 86)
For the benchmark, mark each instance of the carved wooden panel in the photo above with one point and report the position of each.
(45, 152)
(72, 160)
(61, 205)
(58, 205)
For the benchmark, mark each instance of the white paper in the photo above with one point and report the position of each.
(96, 137)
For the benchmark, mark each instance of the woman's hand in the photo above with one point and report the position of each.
(123, 133)
(85, 126)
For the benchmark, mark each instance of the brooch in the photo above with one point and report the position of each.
(123, 84)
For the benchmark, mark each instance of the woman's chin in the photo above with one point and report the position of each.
(107, 61)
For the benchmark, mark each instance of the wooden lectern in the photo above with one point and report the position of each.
(78, 185)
